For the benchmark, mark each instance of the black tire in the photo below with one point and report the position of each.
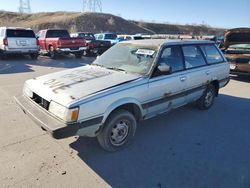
(118, 131)
(52, 53)
(34, 56)
(78, 55)
(207, 99)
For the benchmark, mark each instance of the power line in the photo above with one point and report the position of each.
(92, 6)
(24, 6)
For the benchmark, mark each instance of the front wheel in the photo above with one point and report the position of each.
(207, 99)
(118, 131)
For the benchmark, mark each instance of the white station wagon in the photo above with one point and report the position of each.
(132, 81)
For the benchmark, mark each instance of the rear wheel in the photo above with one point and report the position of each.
(207, 99)
(52, 52)
(78, 55)
(118, 131)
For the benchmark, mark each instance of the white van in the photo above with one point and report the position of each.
(132, 81)
(18, 41)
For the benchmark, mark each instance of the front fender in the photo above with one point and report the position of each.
(119, 103)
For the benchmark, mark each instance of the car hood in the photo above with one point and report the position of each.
(237, 36)
(64, 87)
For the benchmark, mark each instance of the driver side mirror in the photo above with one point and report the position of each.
(165, 69)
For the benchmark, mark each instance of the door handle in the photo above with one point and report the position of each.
(207, 72)
(183, 78)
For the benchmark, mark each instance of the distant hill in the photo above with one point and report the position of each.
(97, 22)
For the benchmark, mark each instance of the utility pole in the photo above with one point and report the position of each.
(92, 6)
(24, 6)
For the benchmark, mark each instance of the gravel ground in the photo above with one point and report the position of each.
(184, 148)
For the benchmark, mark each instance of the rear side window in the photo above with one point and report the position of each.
(100, 37)
(20, 33)
(193, 57)
(57, 34)
(211, 54)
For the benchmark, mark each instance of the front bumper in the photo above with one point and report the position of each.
(240, 68)
(58, 129)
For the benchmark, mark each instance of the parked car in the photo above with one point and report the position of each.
(111, 37)
(237, 50)
(130, 37)
(58, 41)
(132, 81)
(94, 47)
(15, 40)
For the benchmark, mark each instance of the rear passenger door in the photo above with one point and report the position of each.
(167, 91)
(197, 72)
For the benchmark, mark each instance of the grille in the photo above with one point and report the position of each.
(39, 100)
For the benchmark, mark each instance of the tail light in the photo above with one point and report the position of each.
(5, 41)
(59, 43)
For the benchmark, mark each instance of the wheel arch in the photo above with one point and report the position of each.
(131, 105)
(216, 85)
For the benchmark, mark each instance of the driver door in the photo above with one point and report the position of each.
(167, 91)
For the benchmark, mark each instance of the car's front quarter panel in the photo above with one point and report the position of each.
(102, 104)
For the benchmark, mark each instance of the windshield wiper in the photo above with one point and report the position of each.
(115, 68)
(97, 65)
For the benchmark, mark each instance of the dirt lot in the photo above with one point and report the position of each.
(186, 148)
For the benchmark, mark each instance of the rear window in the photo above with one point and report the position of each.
(20, 33)
(110, 36)
(57, 34)
(87, 36)
(211, 54)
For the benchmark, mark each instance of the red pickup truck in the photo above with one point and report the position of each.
(58, 41)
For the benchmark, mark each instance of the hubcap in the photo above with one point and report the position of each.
(209, 98)
(119, 133)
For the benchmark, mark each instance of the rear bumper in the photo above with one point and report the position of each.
(58, 129)
(21, 51)
(69, 50)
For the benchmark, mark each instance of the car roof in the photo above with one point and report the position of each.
(23, 28)
(163, 42)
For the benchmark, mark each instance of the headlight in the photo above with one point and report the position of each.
(27, 91)
(68, 115)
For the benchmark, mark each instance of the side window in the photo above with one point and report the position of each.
(211, 53)
(100, 37)
(42, 34)
(193, 57)
(172, 57)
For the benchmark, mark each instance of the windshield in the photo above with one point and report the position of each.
(128, 57)
(240, 46)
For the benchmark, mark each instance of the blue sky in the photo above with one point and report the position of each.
(218, 13)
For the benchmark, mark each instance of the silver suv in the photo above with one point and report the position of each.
(131, 81)
(18, 41)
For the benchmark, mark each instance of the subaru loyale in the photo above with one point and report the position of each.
(132, 81)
